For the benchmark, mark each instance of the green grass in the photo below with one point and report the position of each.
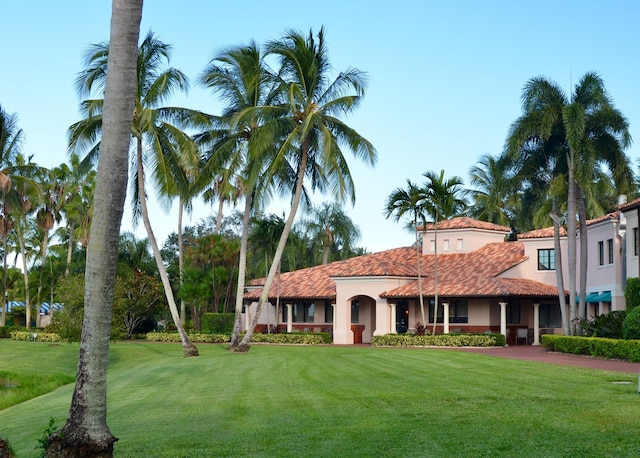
(328, 401)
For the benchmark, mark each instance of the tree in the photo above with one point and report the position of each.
(330, 229)
(303, 117)
(158, 136)
(410, 202)
(495, 197)
(85, 432)
(580, 137)
(442, 200)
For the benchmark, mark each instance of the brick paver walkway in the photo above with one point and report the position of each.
(538, 353)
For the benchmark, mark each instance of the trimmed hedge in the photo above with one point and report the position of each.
(439, 340)
(306, 338)
(5, 332)
(218, 323)
(628, 350)
(39, 336)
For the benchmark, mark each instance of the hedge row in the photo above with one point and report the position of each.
(35, 336)
(308, 338)
(194, 337)
(601, 347)
(439, 340)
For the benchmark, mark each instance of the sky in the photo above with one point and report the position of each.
(444, 77)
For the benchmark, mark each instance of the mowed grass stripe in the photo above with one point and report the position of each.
(340, 401)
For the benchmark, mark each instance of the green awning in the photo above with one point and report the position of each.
(596, 297)
(604, 297)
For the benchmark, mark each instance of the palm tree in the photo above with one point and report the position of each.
(85, 432)
(158, 136)
(234, 147)
(331, 229)
(443, 200)
(410, 202)
(311, 136)
(580, 136)
(495, 198)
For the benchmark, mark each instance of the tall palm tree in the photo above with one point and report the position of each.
(495, 196)
(86, 432)
(443, 200)
(304, 117)
(331, 229)
(158, 134)
(234, 147)
(581, 136)
(410, 202)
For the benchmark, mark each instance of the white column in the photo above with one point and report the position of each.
(536, 324)
(503, 318)
(289, 317)
(247, 315)
(394, 325)
(445, 318)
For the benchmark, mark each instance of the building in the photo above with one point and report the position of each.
(485, 283)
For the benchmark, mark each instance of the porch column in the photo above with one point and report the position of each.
(394, 325)
(289, 317)
(536, 324)
(503, 318)
(247, 315)
(445, 318)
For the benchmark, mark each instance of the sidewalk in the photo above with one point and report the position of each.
(540, 354)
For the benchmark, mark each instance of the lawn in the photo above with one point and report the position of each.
(326, 401)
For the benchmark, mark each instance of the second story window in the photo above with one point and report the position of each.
(610, 250)
(546, 259)
(635, 241)
(601, 253)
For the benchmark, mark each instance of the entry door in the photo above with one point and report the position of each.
(402, 317)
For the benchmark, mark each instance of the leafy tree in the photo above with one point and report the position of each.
(304, 120)
(85, 432)
(495, 195)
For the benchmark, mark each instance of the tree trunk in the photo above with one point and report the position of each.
(571, 245)
(86, 433)
(25, 274)
(245, 343)
(3, 313)
(435, 274)
(242, 269)
(562, 298)
(582, 218)
(69, 249)
(188, 347)
(183, 305)
(418, 256)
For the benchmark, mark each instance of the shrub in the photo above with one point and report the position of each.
(218, 323)
(195, 337)
(628, 350)
(5, 332)
(39, 336)
(439, 340)
(632, 293)
(605, 325)
(67, 323)
(631, 325)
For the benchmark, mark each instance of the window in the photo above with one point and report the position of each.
(355, 311)
(601, 253)
(546, 259)
(513, 313)
(446, 245)
(458, 312)
(550, 316)
(635, 241)
(302, 312)
(328, 312)
(610, 250)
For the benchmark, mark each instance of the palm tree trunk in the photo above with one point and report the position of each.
(245, 343)
(69, 249)
(418, 256)
(25, 273)
(582, 218)
(183, 305)
(435, 274)
(242, 268)
(86, 432)
(562, 298)
(188, 347)
(3, 314)
(571, 244)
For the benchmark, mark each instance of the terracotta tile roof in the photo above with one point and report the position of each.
(547, 232)
(629, 205)
(471, 274)
(464, 222)
(316, 282)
